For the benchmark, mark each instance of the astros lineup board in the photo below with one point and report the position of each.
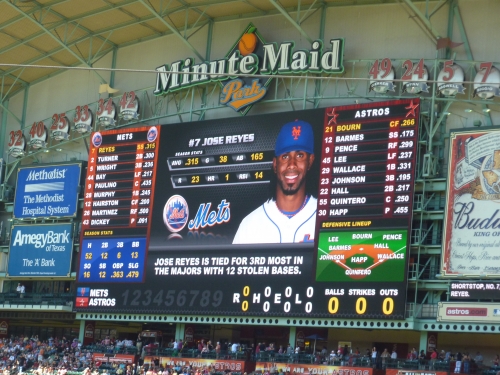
(162, 210)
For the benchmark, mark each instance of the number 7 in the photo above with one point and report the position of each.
(486, 66)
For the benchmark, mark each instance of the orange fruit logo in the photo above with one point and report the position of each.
(248, 42)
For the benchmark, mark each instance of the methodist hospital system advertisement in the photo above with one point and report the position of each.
(303, 213)
(471, 244)
(47, 191)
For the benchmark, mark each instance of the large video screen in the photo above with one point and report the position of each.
(304, 213)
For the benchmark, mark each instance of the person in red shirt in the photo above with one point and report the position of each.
(434, 356)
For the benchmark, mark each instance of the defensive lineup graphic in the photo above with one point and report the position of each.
(376, 255)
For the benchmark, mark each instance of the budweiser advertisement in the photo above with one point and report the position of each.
(471, 236)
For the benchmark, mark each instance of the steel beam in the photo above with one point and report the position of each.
(465, 40)
(3, 123)
(291, 20)
(7, 110)
(13, 83)
(55, 25)
(132, 15)
(436, 35)
(25, 107)
(113, 66)
(127, 24)
(173, 29)
(60, 42)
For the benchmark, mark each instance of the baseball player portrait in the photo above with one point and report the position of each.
(289, 215)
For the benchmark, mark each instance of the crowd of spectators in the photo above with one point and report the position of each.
(19, 355)
(55, 355)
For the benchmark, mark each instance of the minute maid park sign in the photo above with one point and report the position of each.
(250, 55)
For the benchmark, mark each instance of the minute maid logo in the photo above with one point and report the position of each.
(237, 95)
(241, 93)
(250, 55)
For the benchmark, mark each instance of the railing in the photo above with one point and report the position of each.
(426, 236)
(49, 299)
(380, 362)
(429, 202)
(421, 311)
(169, 352)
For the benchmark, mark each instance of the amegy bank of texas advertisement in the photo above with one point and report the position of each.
(472, 220)
(41, 250)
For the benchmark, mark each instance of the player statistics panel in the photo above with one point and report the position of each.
(223, 178)
(117, 205)
(366, 192)
(256, 284)
(258, 165)
(189, 161)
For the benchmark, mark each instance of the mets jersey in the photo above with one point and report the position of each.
(267, 224)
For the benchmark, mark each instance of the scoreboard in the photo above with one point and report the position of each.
(117, 205)
(366, 193)
(162, 211)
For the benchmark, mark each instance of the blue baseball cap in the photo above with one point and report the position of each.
(295, 136)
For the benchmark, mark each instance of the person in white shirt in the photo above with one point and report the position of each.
(394, 355)
(234, 347)
(374, 356)
(333, 357)
(22, 290)
(478, 359)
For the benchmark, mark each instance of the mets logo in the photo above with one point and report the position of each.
(296, 132)
(175, 213)
(152, 134)
(97, 139)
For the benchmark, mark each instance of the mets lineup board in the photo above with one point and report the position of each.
(163, 205)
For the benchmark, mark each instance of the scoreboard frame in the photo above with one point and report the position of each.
(222, 171)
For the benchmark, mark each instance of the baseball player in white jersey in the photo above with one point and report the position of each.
(291, 215)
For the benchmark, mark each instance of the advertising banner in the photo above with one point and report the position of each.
(42, 250)
(88, 337)
(113, 358)
(306, 369)
(468, 312)
(197, 363)
(47, 191)
(4, 328)
(471, 236)
(392, 371)
(432, 342)
(304, 213)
